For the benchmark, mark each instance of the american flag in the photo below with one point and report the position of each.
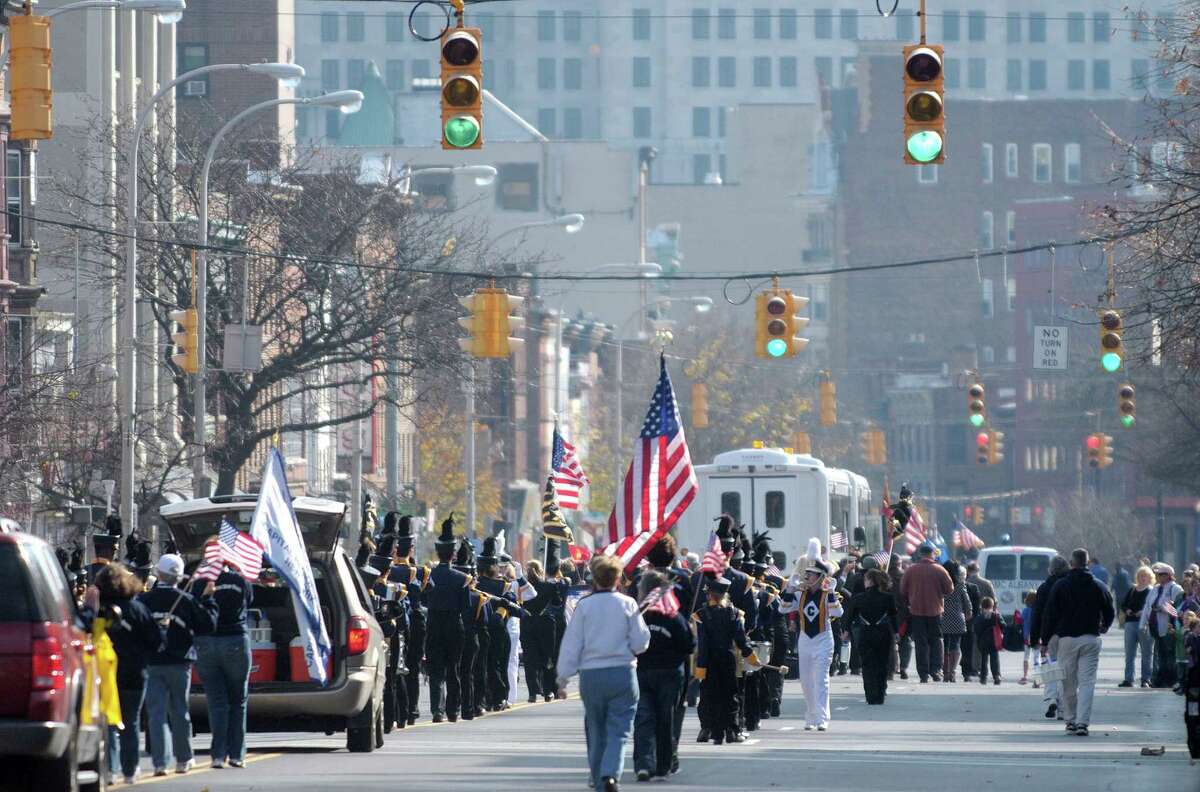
(660, 483)
(773, 571)
(914, 532)
(241, 550)
(883, 558)
(1169, 609)
(214, 561)
(965, 538)
(714, 560)
(662, 600)
(574, 594)
(566, 472)
(837, 540)
(554, 525)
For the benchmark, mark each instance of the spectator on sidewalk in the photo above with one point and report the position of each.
(1048, 646)
(1029, 600)
(223, 664)
(984, 627)
(1099, 571)
(1135, 638)
(923, 588)
(1157, 620)
(902, 646)
(978, 587)
(1079, 610)
(957, 612)
(1122, 582)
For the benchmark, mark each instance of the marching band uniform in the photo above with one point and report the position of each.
(720, 628)
(496, 664)
(416, 579)
(390, 604)
(818, 608)
(448, 597)
(538, 628)
(475, 621)
(105, 547)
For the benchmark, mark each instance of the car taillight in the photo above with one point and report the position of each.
(358, 637)
(46, 670)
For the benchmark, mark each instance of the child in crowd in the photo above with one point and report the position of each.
(984, 626)
(1191, 683)
(1026, 621)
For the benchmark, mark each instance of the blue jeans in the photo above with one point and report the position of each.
(167, 688)
(1135, 640)
(654, 727)
(123, 744)
(610, 697)
(223, 663)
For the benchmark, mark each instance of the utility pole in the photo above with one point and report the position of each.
(470, 447)
(391, 428)
(356, 464)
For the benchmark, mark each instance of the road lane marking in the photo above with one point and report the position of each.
(194, 772)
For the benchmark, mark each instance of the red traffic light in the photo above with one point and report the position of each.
(1093, 442)
(982, 439)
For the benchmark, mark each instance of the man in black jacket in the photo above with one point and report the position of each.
(1079, 610)
(1049, 645)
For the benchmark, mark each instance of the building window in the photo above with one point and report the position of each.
(1042, 160)
(1011, 156)
(986, 171)
(953, 72)
(572, 123)
(641, 122)
(927, 174)
(1072, 170)
(1010, 289)
(1101, 28)
(12, 195)
(330, 75)
(950, 26)
(395, 27)
(329, 27)
(333, 124)
(701, 167)
(987, 297)
(572, 74)
(1013, 27)
(1037, 27)
(977, 73)
(987, 354)
(355, 26)
(1075, 27)
(394, 75)
(193, 56)
(787, 23)
(824, 68)
(727, 72)
(1075, 75)
(701, 23)
(1101, 76)
(517, 187)
(1037, 75)
(701, 122)
(987, 231)
(641, 24)
(701, 72)
(1010, 236)
(848, 23)
(572, 26)
(1012, 75)
(976, 26)
(726, 24)
(787, 71)
(546, 68)
(641, 72)
(762, 72)
(547, 121)
(356, 71)
(721, 126)
(545, 25)
(823, 23)
(762, 23)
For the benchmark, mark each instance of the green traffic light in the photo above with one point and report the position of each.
(777, 347)
(462, 131)
(1111, 361)
(925, 146)
(976, 420)
(1127, 421)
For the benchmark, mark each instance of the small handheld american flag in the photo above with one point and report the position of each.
(714, 558)
(241, 551)
(214, 561)
(837, 540)
(773, 571)
(661, 600)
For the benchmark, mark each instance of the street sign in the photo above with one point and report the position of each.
(1050, 348)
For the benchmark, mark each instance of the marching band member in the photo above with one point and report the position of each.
(818, 605)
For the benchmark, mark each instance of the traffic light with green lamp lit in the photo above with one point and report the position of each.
(462, 88)
(1112, 348)
(924, 105)
(975, 405)
(1127, 406)
(777, 324)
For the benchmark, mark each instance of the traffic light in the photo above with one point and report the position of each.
(699, 405)
(979, 515)
(778, 324)
(1105, 450)
(1127, 405)
(1093, 449)
(924, 106)
(462, 88)
(975, 404)
(1112, 348)
(801, 443)
(490, 323)
(995, 447)
(982, 440)
(873, 443)
(187, 340)
(29, 77)
(828, 399)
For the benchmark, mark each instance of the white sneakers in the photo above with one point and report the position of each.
(183, 767)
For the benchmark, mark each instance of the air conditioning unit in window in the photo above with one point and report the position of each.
(195, 88)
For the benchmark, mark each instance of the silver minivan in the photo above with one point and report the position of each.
(282, 697)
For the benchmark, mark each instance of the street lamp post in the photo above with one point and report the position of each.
(286, 72)
(570, 223)
(347, 102)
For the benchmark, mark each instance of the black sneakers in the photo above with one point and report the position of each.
(1052, 711)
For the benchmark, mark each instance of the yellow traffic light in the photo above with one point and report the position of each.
(187, 340)
(490, 323)
(777, 324)
(801, 443)
(982, 442)
(924, 105)
(699, 405)
(975, 405)
(1105, 451)
(995, 447)
(1127, 405)
(873, 443)
(828, 398)
(462, 88)
(29, 77)
(1112, 348)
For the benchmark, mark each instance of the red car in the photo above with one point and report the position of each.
(45, 658)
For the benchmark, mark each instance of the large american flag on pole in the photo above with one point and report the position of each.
(568, 475)
(660, 483)
(914, 532)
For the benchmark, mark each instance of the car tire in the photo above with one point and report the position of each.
(99, 765)
(60, 773)
(361, 739)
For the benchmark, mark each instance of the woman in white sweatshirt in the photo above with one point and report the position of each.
(603, 639)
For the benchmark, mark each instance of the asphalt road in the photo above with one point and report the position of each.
(963, 736)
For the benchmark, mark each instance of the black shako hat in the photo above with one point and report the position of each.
(404, 535)
(488, 556)
(464, 557)
(726, 530)
(718, 584)
(106, 542)
(446, 537)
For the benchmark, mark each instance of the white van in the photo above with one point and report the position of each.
(1014, 570)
